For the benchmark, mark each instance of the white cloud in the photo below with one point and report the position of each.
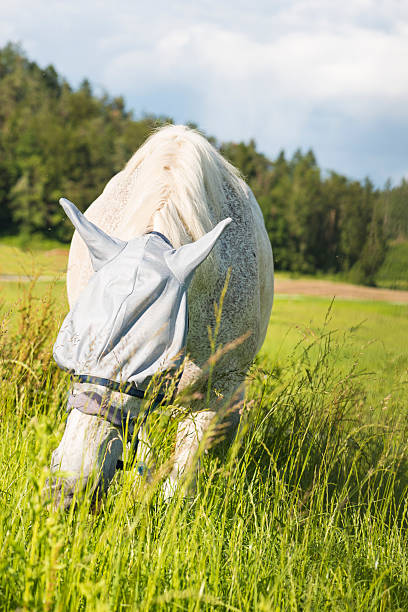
(294, 72)
(358, 65)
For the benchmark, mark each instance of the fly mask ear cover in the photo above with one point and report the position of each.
(130, 322)
(101, 247)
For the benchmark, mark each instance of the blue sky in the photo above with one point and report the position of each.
(301, 73)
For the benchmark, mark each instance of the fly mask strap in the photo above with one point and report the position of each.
(127, 388)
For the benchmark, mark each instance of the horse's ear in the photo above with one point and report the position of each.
(187, 258)
(101, 247)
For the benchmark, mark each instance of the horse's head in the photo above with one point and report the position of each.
(131, 320)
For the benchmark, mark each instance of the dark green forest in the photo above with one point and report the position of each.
(58, 140)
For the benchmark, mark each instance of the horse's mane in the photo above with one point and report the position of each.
(180, 182)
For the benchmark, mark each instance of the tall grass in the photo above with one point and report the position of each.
(306, 510)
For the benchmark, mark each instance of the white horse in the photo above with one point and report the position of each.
(178, 185)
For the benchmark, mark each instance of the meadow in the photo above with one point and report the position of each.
(307, 510)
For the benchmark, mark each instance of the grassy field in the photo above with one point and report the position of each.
(306, 511)
(373, 335)
(40, 258)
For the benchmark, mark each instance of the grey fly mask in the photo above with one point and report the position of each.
(130, 322)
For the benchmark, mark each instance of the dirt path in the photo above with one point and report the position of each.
(289, 286)
(329, 289)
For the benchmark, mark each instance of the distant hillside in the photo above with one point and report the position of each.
(393, 273)
(56, 140)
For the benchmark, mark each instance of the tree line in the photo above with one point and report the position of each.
(56, 139)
